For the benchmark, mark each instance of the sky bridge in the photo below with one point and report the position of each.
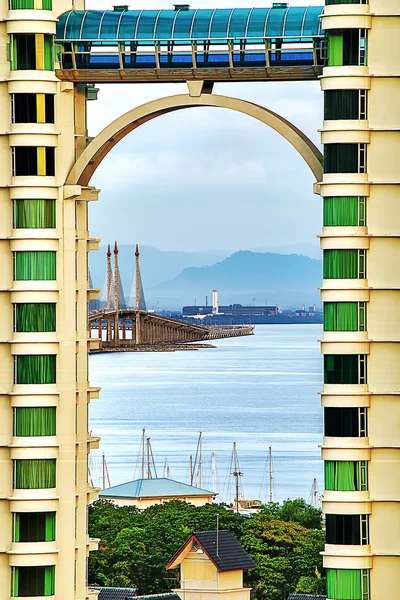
(240, 44)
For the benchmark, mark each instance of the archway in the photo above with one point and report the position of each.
(101, 145)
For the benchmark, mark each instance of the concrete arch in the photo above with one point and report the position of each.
(101, 145)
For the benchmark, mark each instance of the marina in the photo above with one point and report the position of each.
(259, 391)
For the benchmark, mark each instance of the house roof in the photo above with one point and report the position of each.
(227, 555)
(111, 593)
(154, 488)
(305, 597)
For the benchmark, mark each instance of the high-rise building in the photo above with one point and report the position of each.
(360, 242)
(44, 240)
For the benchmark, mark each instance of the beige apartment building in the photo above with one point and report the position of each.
(47, 162)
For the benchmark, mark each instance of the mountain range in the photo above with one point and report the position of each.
(173, 279)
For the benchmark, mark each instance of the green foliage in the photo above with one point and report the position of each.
(285, 541)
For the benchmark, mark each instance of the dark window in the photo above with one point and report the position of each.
(351, 47)
(25, 160)
(341, 158)
(25, 51)
(25, 108)
(50, 167)
(345, 529)
(49, 103)
(33, 108)
(34, 527)
(33, 581)
(344, 368)
(341, 104)
(345, 422)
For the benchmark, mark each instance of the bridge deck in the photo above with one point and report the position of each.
(257, 44)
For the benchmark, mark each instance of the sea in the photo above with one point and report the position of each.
(259, 391)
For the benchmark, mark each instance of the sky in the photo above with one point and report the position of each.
(206, 178)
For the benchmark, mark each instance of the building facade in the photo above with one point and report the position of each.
(44, 241)
(360, 291)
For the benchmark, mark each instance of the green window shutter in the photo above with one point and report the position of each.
(48, 53)
(50, 527)
(340, 316)
(36, 369)
(341, 211)
(15, 581)
(35, 421)
(34, 214)
(335, 48)
(341, 104)
(343, 584)
(35, 266)
(36, 474)
(14, 54)
(342, 476)
(16, 523)
(35, 317)
(340, 264)
(49, 581)
(21, 4)
(47, 4)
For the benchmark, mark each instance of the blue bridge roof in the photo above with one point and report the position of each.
(180, 26)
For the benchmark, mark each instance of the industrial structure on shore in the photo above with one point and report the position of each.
(52, 54)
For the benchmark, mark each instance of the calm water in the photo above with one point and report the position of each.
(259, 391)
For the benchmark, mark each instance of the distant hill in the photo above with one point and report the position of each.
(311, 250)
(287, 280)
(156, 265)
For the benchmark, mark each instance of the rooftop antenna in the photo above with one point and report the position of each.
(217, 535)
(236, 473)
(270, 475)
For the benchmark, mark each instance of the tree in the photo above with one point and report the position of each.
(136, 546)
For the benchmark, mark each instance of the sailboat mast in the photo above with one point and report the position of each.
(236, 473)
(143, 450)
(103, 464)
(191, 469)
(315, 492)
(270, 475)
(201, 460)
(214, 472)
(148, 459)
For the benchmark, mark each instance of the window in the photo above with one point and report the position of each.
(344, 316)
(32, 581)
(32, 51)
(35, 474)
(347, 584)
(35, 369)
(34, 421)
(34, 317)
(345, 158)
(347, 47)
(347, 529)
(328, 2)
(35, 266)
(33, 161)
(32, 108)
(346, 475)
(344, 264)
(34, 527)
(34, 214)
(344, 211)
(345, 422)
(345, 104)
(345, 369)
(31, 4)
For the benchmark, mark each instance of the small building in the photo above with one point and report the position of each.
(146, 492)
(212, 563)
(113, 593)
